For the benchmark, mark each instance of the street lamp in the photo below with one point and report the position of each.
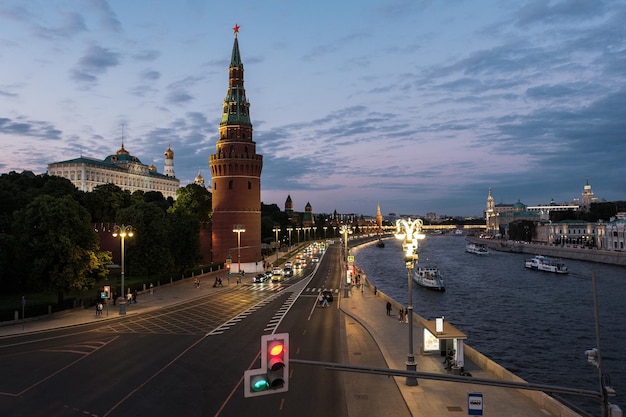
(298, 233)
(325, 227)
(239, 229)
(345, 231)
(289, 229)
(314, 232)
(276, 230)
(410, 231)
(123, 231)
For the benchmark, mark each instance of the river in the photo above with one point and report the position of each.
(536, 324)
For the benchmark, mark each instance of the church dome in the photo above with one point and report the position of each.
(169, 153)
(199, 179)
(152, 168)
(122, 151)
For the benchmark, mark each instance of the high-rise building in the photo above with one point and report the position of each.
(236, 175)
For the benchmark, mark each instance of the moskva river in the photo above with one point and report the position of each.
(536, 324)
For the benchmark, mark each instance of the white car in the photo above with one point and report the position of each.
(288, 264)
(315, 260)
(277, 271)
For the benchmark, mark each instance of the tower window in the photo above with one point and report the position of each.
(249, 185)
(230, 184)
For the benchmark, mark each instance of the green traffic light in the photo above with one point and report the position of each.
(260, 384)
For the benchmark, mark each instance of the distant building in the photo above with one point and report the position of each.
(121, 169)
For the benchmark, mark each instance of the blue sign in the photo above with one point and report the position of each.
(475, 404)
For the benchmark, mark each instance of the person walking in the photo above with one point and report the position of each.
(388, 308)
(401, 315)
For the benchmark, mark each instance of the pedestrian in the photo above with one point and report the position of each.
(406, 315)
(99, 309)
(216, 282)
(135, 296)
(388, 308)
(401, 315)
(114, 298)
(320, 300)
(219, 282)
(239, 279)
(362, 286)
(129, 297)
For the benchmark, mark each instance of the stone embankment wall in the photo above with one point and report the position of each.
(554, 251)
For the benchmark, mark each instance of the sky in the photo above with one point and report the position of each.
(419, 106)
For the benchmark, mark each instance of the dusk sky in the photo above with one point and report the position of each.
(420, 106)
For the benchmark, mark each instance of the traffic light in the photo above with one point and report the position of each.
(273, 376)
(107, 291)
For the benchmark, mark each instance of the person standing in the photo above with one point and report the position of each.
(401, 315)
(388, 308)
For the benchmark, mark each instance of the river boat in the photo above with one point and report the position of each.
(429, 277)
(477, 249)
(543, 263)
(380, 243)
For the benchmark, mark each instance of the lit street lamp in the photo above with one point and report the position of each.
(276, 230)
(290, 229)
(298, 233)
(410, 231)
(123, 231)
(345, 231)
(325, 227)
(239, 229)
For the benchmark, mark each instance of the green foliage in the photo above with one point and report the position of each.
(55, 244)
(194, 200)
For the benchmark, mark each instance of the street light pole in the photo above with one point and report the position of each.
(239, 229)
(276, 230)
(410, 231)
(289, 229)
(123, 231)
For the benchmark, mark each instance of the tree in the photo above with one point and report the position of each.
(104, 201)
(148, 252)
(194, 200)
(184, 239)
(57, 249)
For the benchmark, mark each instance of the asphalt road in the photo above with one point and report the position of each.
(185, 360)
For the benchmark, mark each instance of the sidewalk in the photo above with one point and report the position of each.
(162, 296)
(431, 397)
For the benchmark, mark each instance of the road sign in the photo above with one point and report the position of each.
(475, 404)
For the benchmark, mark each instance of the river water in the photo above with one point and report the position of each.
(536, 324)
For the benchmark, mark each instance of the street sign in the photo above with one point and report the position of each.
(475, 404)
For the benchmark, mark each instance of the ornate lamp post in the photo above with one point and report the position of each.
(298, 233)
(239, 229)
(276, 230)
(123, 232)
(325, 227)
(314, 232)
(410, 231)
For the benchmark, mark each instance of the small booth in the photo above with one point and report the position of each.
(445, 339)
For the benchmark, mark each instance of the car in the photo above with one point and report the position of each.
(297, 265)
(288, 272)
(277, 277)
(288, 264)
(277, 271)
(260, 278)
(328, 295)
(315, 260)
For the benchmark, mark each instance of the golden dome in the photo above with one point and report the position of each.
(123, 151)
(169, 153)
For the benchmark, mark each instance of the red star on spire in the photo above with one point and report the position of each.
(236, 28)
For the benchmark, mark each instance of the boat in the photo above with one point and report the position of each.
(380, 243)
(543, 263)
(477, 249)
(429, 277)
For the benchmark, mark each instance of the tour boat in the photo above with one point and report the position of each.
(429, 277)
(543, 263)
(477, 249)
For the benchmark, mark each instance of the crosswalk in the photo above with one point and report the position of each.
(276, 286)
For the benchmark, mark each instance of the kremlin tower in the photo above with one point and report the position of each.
(236, 176)
(168, 168)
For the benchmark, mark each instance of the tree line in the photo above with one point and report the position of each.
(48, 242)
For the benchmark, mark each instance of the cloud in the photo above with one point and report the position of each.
(147, 55)
(34, 128)
(96, 61)
(108, 18)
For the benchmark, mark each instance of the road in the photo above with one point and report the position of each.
(187, 359)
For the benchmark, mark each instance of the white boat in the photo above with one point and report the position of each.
(543, 263)
(429, 277)
(477, 249)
